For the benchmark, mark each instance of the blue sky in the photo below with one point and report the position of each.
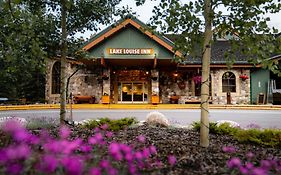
(144, 13)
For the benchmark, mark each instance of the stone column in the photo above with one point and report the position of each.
(155, 82)
(106, 82)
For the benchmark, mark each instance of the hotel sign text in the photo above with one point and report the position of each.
(130, 51)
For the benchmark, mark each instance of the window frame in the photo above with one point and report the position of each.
(229, 82)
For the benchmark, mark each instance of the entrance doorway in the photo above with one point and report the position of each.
(132, 92)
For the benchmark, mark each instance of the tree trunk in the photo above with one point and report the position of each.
(63, 63)
(204, 129)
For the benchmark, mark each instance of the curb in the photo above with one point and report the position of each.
(139, 106)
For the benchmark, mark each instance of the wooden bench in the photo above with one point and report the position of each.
(83, 99)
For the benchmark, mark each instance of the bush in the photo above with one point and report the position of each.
(267, 137)
(113, 125)
(214, 129)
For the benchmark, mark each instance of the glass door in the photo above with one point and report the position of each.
(127, 92)
(133, 92)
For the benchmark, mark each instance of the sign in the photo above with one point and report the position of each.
(130, 51)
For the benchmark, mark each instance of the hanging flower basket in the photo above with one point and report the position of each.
(197, 79)
(243, 77)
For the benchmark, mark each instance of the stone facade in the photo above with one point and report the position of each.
(185, 88)
(97, 82)
(85, 82)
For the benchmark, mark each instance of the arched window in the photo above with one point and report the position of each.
(56, 78)
(228, 82)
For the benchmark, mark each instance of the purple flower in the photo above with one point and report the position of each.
(253, 126)
(132, 169)
(250, 155)
(138, 155)
(141, 138)
(64, 132)
(85, 148)
(114, 150)
(105, 164)
(48, 164)
(104, 126)
(23, 151)
(112, 171)
(265, 164)
(249, 165)
(14, 169)
(233, 162)
(243, 170)
(259, 171)
(172, 160)
(152, 149)
(146, 153)
(129, 157)
(229, 149)
(95, 171)
(108, 134)
(73, 165)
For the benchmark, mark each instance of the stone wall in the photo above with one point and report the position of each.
(84, 82)
(242, 94)
(185, 87)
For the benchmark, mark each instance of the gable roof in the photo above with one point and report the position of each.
(130, 20)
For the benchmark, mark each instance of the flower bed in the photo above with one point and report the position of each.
(152, 150)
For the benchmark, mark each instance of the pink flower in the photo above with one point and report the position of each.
(14, 169)
(108, 134)
(152, 149)
(104, 126)
(64, 132)
(172, 160)
(146, 153)
(95, 171)
(138, 155)
(250, 155)
(73, 165)
(141, 138)
(229, 149)
(48, 164)
(233, 162)
(104, 164)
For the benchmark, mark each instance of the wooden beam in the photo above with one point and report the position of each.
(102, 62)
(154, 62)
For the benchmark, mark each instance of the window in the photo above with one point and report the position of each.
(228, 82)
(56, 78)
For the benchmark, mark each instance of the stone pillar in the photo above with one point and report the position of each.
(106, 82)
(155, 82)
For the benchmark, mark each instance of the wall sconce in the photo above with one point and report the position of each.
(176, 74)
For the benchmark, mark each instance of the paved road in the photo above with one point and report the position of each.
(264, 118)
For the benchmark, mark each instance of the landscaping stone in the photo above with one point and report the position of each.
(157, 119)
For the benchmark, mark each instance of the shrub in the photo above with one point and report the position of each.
(224, 128)
(267, 137)
(113, 125)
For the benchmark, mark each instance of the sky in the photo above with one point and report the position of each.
(144, 13)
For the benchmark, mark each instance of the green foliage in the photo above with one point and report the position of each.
(267, 137)
(223, 129)
(244, 24)
(113, 125)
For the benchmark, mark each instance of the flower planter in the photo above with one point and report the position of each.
(154, 99)
(105, 99)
